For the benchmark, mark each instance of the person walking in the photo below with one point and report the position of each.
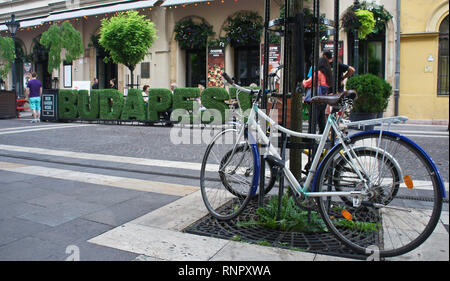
(34, 92)
(95, 83)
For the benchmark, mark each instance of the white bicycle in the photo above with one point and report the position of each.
(369, 188)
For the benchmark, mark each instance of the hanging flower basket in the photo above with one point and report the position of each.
(367, 18)
(244, 29)
(191, 35)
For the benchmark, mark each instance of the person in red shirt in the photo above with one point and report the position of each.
(325, 79)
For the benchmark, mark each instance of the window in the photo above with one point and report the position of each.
(443, 74)
(372, 53)
(195, 68)
(145, 70)
(247, 65)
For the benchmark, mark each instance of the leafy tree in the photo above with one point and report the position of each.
(57, 38)
(127, 37)
(8, 54)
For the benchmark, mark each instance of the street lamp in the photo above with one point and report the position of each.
(356, 43)
(13, 25)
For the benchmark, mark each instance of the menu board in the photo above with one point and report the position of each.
(216, 66)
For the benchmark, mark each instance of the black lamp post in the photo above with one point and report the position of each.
(356, 43)
(13, 25)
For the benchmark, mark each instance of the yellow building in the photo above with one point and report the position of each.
(424, 64)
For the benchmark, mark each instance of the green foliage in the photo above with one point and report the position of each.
(191, 35)
(292, 218)
(7, 53)
(373, 93)
(183, 99)
(213, 98)
(245, 28)
(88, 106)
(111, 104)
(380, 15)
(160, 100)
(67, 104)
(57, 38)
(127, 37)
(367, 23)
(134, 107)
(350, 21)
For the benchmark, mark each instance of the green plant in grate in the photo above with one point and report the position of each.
(88, 105)
(134, 107)
(160, 100)
(67, 104)
(111, 104)
(292, 218)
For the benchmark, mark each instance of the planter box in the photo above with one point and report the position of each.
(8, 108)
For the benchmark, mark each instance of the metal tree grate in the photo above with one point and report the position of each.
(317, 243)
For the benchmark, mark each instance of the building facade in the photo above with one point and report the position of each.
(423, 83)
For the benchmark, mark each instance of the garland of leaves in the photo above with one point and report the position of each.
(191, 35)
(244, 29)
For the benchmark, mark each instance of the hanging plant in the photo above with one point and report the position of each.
(221, 42)
(367, 23)
(191, 35)
(351, 21)
(244, 29)
(380, 15)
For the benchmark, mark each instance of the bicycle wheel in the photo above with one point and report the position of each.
(384, 172)
(227, 179)
(239, 152)
(390, 224)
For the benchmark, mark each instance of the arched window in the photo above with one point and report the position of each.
(443, 74)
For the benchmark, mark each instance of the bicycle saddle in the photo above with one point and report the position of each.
(334, 99)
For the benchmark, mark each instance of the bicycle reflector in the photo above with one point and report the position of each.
(346, 214)
(408, 181)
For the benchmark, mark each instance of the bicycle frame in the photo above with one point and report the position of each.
(302, 190)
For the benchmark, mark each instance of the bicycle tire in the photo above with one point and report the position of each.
(268, 185)
(401, 225)
(384, 193)
(216, 193)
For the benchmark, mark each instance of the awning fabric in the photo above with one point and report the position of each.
(85, 12)
(182, 2)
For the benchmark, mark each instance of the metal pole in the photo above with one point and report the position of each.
(264, 86)
(13, 67)
(356, 44)
(336, 46)
(397, 62)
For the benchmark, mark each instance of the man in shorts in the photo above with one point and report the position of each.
(34, 93)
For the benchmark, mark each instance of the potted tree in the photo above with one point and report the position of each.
(373, 97)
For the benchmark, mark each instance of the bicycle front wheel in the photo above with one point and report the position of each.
(403, 203)
(227, 178)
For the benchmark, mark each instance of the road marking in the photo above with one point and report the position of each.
(35, 127)
(43, 129)
(111, 158)
(105, 180)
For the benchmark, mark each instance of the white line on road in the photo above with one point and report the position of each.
(104, 180)
(43, 129)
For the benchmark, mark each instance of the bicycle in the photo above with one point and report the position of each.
(365, 188)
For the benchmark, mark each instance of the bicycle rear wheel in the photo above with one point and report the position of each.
(404, 202)
(227, 178)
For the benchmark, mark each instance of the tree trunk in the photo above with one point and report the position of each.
(295, 155)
